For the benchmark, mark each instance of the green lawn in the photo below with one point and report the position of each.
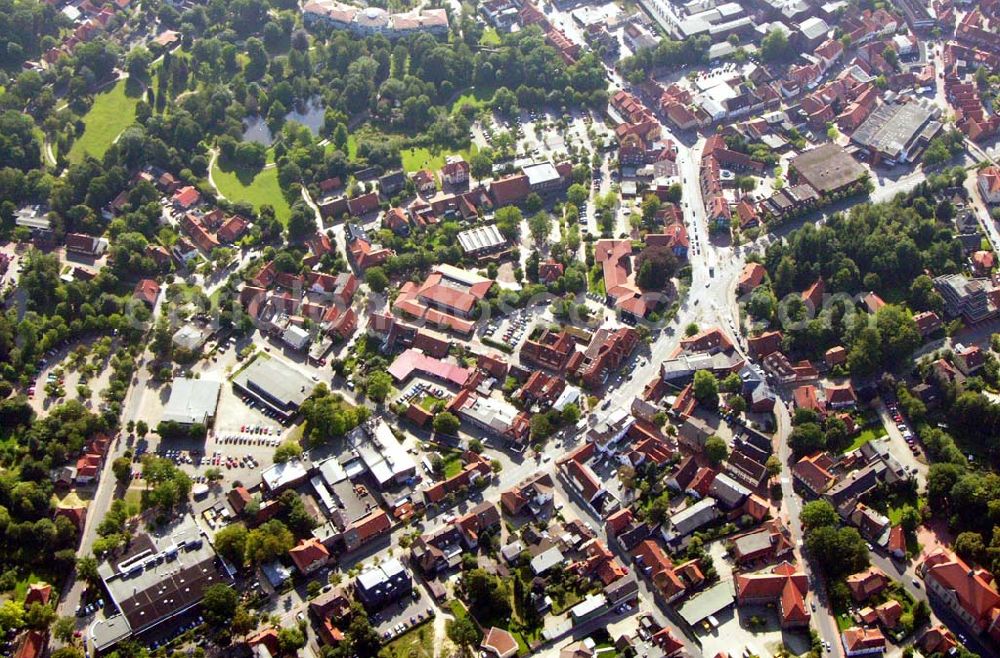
(866, 435)
(416, 158)
(452, 464)
(133, 497)
(844, 622)
(21, 588)
(428, 402)
(490, 37)
(259, 189)
(111, 113)
(478, 97)
(417, 643)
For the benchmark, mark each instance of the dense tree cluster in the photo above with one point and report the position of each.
(668, 54)
(27, 28)
(883, 248)
(837, 551)
(327, 416)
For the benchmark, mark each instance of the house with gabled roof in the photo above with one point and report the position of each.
(970, 593)
(784, 586)
(309, 555)
(866, 584)
(813, 473)
(861, 641)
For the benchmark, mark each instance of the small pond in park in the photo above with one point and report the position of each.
(309, 114)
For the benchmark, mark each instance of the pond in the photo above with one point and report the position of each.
(309, 114)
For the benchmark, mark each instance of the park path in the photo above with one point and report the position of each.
(211, 178)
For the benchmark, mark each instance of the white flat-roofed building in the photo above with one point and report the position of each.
(482, 240)
(375, 20)
(278, 385)
(284, 474)
(192, 401)
(383, 454)
(492, 414)
(295, 337)
(542, 176)
(33, 217)
(191, 337)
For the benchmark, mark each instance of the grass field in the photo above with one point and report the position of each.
(256, 189)
(423, 158)
(352, 147)
(452, 464)
(417, 643)
(490, 37)
(112, 112)
(478, 97)
(866, 435)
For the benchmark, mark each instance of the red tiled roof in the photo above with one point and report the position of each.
(974, 593)
(620, 520)
(37, 593)
(840, 394)
(813, 473)
(765, 343)
(897, 539)
(889, 613)
(709, 339)
(500, 642)
(807, 397)
(814, 294)
(147, 290)
(751, 276)
(32, 646)
(186, 197)
(858, 639)
(511, 190)
(307, 553)
(866, 583)
(371, 525)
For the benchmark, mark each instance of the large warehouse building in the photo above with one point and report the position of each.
(275, 384)
(160, 577)
(827, 169)
(192, 401)
(897, 132)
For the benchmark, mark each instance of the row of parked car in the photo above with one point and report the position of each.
(402, 626)
(902, 426)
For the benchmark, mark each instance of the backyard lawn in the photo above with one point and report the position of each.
(428, 402)
(866, 435)
(352, 147)
(21, 588)
(238, 185)
(452, 464)
(490, 37)
(112, 112)
(421, 157)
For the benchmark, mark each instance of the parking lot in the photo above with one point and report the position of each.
(240, 444)
(510, 330)
(419, 391)
(902, 441)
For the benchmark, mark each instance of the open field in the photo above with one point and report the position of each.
(112, 112)
(238, 185)
(415, 158)
(478, 97)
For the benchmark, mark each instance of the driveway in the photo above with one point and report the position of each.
(900, 449)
